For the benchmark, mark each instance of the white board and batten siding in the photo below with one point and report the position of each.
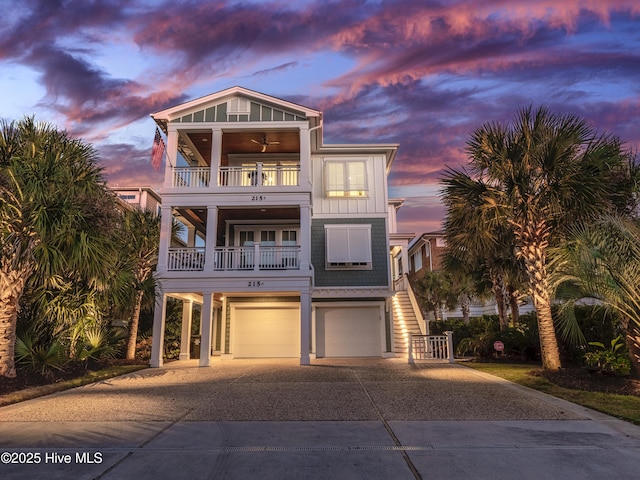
(374, 203)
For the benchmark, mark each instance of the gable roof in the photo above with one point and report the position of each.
(172, 113)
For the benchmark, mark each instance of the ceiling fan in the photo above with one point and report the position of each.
(265, 143)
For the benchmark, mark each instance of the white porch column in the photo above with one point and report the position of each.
(305, 157)
(305, 238)
(210, 241)
(305, 327)
(216, 156)
(166, 221)
(314, 336)
(185, 336)
(159, 317)
(206, 328)
(172, 154)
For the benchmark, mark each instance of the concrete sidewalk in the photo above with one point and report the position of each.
(373, 418)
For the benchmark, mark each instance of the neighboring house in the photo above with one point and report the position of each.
(425, 254)
(292, 241)
(145, 198)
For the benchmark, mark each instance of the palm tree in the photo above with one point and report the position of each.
(542, 173)
(435, 292)
(602, 259)
(49, 227)
(139, 243)
(477, 244)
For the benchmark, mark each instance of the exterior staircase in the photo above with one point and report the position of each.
(405, 323)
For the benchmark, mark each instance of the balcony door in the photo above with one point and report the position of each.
(278, 247)
(247, 252)
(267, 251)
(289, 248)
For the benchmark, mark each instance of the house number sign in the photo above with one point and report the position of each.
(255, 283)
(258, 198)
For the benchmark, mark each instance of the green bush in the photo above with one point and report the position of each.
(99, 343)
(38, 355)
(476, 328)
(596, 323)
(613, 360)
(478, 336)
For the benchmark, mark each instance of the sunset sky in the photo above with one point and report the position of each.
(420, 73)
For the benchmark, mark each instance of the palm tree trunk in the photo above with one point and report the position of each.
(633, 345)
(533, 252)
(547, 333)
(513, 303)
(465, 308)
(133, 327)
(11, 287)
(497, 287)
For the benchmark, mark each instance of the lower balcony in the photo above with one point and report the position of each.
(253, 258)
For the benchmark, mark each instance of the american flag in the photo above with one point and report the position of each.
(157, 151)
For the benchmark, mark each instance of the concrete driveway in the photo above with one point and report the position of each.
(351, 418)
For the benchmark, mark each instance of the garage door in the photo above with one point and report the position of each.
(348, 332)
(266, 332)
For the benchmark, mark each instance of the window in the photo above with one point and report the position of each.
(416, 260)
(346, 178)
(238, 106)
(348, 246)
(289, 238)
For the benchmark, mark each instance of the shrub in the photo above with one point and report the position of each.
(37, 355)
(613, 360)
(478, 336)
(99, 343)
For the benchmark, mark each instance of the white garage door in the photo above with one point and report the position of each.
(266, 332)
(348, 332)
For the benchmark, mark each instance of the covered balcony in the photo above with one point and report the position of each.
(252, 175)
(234, 159)
(235, 258)
(236, 239)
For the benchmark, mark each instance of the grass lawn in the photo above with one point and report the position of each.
(625, 407)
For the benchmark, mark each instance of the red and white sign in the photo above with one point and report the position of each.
(498, 346)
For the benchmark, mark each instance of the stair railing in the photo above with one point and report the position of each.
(416, 308)
(431, 348)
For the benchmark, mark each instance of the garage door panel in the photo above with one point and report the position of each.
(349, 332)
(266, 332)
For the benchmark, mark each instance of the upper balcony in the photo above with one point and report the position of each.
(236, 159)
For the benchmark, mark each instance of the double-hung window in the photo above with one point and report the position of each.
(348, 246)
(346, 178)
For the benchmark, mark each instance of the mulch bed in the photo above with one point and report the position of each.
(27, 379)
(582, 379)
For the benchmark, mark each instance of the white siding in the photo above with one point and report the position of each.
(374, 203)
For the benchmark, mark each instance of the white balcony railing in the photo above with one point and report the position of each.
(246, 176)
(185, 259)
(259, 175)
(191, 177)
(236, 258)
(269, 258)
